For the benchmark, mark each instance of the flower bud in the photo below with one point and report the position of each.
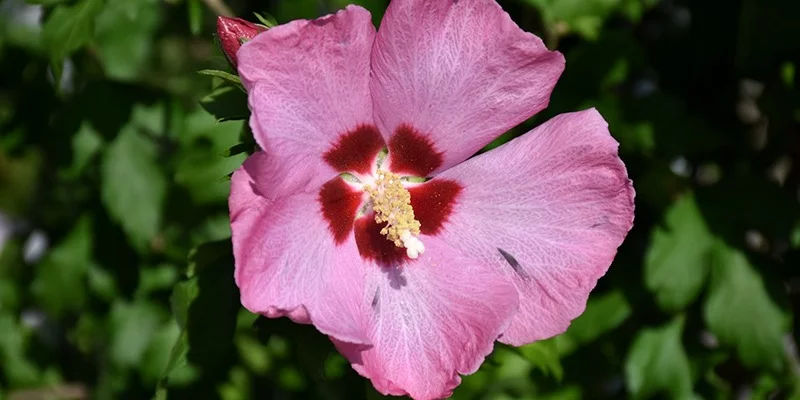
(232, 33)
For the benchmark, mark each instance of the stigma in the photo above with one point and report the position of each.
(391, 202)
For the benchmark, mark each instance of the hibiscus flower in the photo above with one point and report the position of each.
(363, 214)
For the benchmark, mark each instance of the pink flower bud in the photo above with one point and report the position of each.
(232, 33)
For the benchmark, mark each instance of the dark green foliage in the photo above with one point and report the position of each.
(120, 124)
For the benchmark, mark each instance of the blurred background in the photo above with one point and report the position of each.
(115, 265)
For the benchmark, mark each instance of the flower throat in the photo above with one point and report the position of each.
(392, 205)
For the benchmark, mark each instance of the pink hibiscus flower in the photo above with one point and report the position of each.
(363, 216)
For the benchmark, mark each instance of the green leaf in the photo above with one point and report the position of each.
(156, 278)
(177, 369)
(66, 266)
(19, 370)
(85, 145)
(215, 227)
(182, 297)
(765, 386)
(266, 20)
(205, 307)
(254, 354)
(150, 119)
(740, 312)
(156, 358)
(124, 36)
(226, 103)
(604, 313)
(239, 148)
(102, 283)
(87, 332)
(677, 260)
(133, 327)
(70, 27)
(17, 31)
(202, 163)
(657, 363)
(544, 356)
(226, 76)
(134, 186)
(505, 368)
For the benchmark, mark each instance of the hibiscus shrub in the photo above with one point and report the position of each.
(191, 206)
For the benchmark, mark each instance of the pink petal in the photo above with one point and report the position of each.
(549, 209)
(429, 321)
(459, 73)
(274, 176)
(287, 261)
(307, 84)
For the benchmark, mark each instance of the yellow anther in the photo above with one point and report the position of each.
(392, 204)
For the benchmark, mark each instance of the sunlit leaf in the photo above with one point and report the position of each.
(65, 266)
(604, 312)
(69, 28)
(677, 261)
(134, 186)
(266, 20)
(151, 279)
(102, 283)
(19, 370)
(657, 363)
(124, 36)
(85, 145)
(544, 356)
(133, 327)
(740, 312)
(156, 357)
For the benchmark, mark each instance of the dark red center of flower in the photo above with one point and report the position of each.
(356, 150)
(410, 154)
